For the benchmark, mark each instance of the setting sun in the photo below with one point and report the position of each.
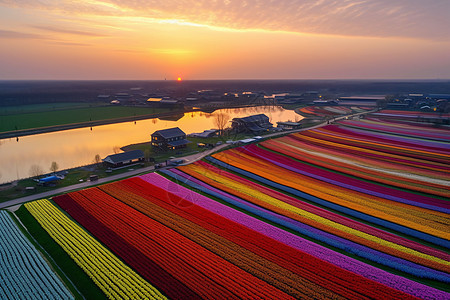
(179, 79)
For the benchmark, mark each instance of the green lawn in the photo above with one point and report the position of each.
(72, 177)
(162, 156)
(44, 118)
(33, 108)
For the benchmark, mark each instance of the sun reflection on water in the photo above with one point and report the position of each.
(77, 147)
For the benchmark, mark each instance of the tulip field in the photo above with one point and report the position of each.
(115, 278)
(330, 111)
(417, 116)
(24, 272)
(352, 210)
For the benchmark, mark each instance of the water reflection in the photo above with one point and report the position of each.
(77, 147)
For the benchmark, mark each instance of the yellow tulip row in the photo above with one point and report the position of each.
(401, 214)
(420, 184)
(289, 208)
(382, 167)
(110, 274)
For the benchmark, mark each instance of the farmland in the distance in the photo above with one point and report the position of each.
(358, 209)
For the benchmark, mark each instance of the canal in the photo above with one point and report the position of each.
(78, 147)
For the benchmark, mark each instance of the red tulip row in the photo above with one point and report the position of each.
(357, 164)
(333, 153)
(205, 273)
(408, 115)
(399, 127)
(192, 171)
(262, 268)
(325, 110)
(377, 156)
(381, 138)
(303, 164)
(357, 201)
(375, 145)
(340, 281)
(133, 256)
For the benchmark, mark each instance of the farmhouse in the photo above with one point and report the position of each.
(172, 138)
(164, 102)
(124, 158)
(251, 124)
(289, 125)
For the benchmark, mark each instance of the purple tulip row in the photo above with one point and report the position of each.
(301, 244)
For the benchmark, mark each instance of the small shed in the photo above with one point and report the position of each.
(289, 125)
(206, 134)
(124, 158)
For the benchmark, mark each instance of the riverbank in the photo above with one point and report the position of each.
(136, 116)
(133, 172)
(62, 127)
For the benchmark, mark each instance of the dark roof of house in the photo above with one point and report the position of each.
(178, 143)
(169, 133)
(255, 123)
(124, 156)
(254, 118)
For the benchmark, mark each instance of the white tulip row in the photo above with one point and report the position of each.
(24, 274)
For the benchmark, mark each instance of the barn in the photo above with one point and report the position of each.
(124, 158)
(251, 124)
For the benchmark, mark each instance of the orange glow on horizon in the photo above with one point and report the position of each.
(101, 37)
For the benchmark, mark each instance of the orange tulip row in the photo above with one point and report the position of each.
(253, 195)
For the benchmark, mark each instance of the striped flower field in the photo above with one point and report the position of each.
(24, 272)
(353, 210)
(330, 111)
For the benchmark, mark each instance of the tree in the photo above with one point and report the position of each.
(54, 167)
(97, 159)
(147, 154)
(221, 121)
(36, 171)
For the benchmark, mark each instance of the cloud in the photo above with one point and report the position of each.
(373, 18)
(67, 31)
(10, 34)
(172, 51)
(378, 18)
(70, 44)
(128, 51)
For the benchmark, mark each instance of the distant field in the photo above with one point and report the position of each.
(52, 115)
(33, 108)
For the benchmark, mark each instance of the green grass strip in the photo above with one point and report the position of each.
(429, 282)
(78, 277)
(333, 210)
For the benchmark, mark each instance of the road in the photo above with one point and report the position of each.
(188, 159)
(14, 204)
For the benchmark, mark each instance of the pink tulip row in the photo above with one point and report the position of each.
(340, 260)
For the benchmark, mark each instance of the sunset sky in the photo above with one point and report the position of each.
(224, 39)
